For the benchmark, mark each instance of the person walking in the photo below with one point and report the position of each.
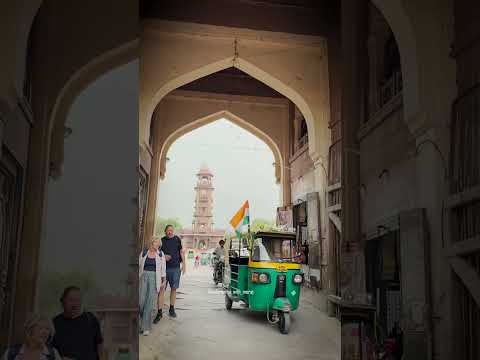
(152, 272)
(175, 257)
(35, 346)
(77, 332)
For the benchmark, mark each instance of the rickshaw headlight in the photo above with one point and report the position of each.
(298, 278)
(262, 278)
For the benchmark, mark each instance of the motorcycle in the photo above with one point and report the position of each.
(218, 265)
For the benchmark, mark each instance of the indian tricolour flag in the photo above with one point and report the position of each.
(240, 219)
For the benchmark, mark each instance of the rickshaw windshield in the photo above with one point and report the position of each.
(273, 249)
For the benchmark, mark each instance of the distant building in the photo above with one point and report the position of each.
(202, 234)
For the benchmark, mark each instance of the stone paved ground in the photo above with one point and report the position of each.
(204, 329)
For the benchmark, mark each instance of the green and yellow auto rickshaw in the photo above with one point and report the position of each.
(263, 274)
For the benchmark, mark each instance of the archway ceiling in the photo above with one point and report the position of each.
(232, 81)
(306, 17)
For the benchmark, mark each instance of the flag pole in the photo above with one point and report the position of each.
(250, 242)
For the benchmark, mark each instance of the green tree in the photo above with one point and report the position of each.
(262, 225)
(160, 224)
(255, 226)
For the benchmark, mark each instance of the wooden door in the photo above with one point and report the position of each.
(10, 205)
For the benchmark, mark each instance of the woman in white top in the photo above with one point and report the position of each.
(38, 330)
(152, 272)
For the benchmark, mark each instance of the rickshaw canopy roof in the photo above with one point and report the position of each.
(276, 234)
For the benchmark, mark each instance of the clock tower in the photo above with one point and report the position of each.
(203, 209)
(202, 235)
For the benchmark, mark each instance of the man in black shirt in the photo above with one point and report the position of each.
(174, 255)
(77, 333)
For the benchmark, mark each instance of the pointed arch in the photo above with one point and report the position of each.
(401, 24)
(74, 86)
(246, 67)
(279, 161)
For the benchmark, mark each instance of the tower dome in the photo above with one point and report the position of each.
(204, 170)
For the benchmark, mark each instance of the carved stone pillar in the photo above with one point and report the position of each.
(154, 179)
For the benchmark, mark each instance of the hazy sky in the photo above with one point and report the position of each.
(243, 170)
(90, 209)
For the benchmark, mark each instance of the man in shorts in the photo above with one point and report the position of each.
(174, 255)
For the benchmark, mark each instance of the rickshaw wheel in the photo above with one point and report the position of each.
(228, 302)
(284, 322)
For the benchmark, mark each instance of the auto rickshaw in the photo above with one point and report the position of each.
(191, 254)
(263, 273)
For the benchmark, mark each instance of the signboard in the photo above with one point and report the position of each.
(284, 218)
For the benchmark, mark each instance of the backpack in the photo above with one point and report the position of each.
(15, 350)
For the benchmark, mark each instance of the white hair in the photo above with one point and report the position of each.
(38, 320)
(155, 238)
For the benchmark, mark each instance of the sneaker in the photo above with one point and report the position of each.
(172, 313)
(158, 317)
(146, 333)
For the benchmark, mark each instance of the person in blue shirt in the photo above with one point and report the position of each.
(175, 257)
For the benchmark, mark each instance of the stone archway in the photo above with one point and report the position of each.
(161, 146)
(175, 54)
(279, 160)
(73, 87)
(56, 80)
(402, 27)
(246, 67)
(293, 65)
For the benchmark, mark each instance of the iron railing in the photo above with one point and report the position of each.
(469, 316)
(302, 141)
(466, 222)
(391, 87)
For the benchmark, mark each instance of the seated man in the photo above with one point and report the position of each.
(77, 332)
